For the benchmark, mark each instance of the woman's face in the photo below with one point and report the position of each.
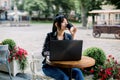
(64, 24)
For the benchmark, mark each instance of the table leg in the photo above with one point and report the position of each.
(70, 73)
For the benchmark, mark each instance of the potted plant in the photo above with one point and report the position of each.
(17, 58)
(108, 70)
(21, 56)
(105, 67)
(97, 53)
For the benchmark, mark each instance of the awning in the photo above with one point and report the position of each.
(105, 11)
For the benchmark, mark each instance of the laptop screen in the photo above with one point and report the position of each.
(65, 50)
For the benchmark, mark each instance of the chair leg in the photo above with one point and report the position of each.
(8, 67)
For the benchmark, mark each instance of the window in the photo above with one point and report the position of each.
(102, 16)
(5, 4)
(117, 17)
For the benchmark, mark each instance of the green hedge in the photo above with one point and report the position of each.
(97, 53)
(11, 43)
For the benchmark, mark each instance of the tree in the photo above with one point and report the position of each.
(83, 6)
(47, 12)
(114, 2)
(67, 5)
(63, 6)
(35, 5)
(20, 4)
(86, 6)
(45, 7)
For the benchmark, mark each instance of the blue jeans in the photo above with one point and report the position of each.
(61, 74)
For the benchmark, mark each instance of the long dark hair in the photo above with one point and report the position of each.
(59, 19)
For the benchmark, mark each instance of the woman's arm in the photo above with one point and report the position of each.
(73, 31)
(45, 50)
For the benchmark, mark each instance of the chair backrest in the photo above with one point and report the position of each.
(3, 47)
(4, 53)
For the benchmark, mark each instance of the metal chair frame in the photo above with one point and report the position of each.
(4, 55)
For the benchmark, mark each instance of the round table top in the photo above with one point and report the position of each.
(83, 63)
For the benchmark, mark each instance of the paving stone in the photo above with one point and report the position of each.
(32, 39)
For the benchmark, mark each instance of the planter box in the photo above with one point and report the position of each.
(14, 67)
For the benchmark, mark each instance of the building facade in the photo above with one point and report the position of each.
(109, 15)
(5, 6)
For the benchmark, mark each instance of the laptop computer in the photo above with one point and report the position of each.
(65, 50)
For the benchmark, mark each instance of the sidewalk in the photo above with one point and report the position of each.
(32, 38)
(5, 76)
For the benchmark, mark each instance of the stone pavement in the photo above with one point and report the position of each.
(32, 38)
(5, 76)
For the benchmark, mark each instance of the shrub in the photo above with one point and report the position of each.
(11, 43)
(96, 53)
(110, 69)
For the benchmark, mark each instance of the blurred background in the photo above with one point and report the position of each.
(45, 10)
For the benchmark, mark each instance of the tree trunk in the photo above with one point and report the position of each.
(83, 15)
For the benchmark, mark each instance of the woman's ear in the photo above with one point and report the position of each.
(56, 24)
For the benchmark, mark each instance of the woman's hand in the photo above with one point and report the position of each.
(46, 53)
(73, 30)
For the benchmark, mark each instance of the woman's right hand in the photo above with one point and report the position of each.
(73, 31)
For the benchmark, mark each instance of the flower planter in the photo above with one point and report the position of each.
(14, 67)
(16, 53)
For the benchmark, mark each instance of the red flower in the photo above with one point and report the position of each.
(104, 76)
(100, 74)
(108, 71)
(18, 53)
(110, 56)
(108, 60)
(116, 62)
(91, 71)
(113, 58)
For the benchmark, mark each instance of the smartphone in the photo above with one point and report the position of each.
(69, 25)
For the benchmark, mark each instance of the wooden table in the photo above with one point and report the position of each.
(83, 63)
